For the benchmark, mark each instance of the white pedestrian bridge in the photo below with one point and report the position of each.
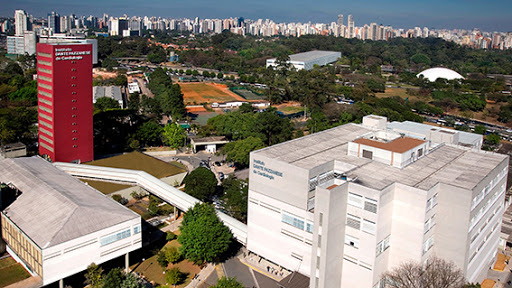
(162, 190)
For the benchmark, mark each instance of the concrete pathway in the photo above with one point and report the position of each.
(202, 276)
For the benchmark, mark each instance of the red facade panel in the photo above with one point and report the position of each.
(65, 102)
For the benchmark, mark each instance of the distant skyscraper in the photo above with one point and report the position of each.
(64, 89)
(351, 27)
(20, 22)
(340, 20)
(54, 22)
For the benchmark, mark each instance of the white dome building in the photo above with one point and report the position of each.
(433, 74)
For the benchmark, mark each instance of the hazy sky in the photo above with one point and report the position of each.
(494, 15)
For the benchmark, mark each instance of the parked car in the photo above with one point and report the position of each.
(221, 176)
(217, 163)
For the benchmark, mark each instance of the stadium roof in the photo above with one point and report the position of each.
(54, 207)
(433, 74)
(311, 55)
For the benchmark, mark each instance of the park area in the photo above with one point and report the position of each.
(11, 272)
(153, 272)
(207, 93)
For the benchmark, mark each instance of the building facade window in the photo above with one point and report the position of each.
(105, 240)
(352, 241)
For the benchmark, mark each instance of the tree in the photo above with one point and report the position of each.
(150, 133)
(94, 276)
(238, 151)
(104, 103)
(172, 102)
(172, 254)
(493, 139)
(201, 183)
(436, 273)
(161, 259)
(228, 282)
(113, 279)
(130, 281)
(274, 128)
(174, 135)
(134, 101)
(203, 236)
(220, 75)
(234, 200)
(121, 80)
(174, 276)
(480, 129)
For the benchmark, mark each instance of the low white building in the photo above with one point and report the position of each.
(113, 92)
(133, 87)
(307, 60)
(345, 205)
(57, 226)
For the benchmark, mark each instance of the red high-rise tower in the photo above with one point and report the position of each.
(64, 86)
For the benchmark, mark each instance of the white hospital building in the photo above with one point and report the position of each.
(345, 205)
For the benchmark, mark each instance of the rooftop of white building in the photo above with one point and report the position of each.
(446, 163)
(54, 207)
(311, 55)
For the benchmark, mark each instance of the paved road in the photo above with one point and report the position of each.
(245, 275)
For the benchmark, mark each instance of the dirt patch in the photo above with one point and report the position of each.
(207, 93)
(96, 73)
(191, 109)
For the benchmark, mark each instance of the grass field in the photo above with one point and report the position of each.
(390, 92)
(153, 272)
(11, 272)
(207, 93)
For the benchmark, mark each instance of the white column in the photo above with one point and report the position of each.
(126, 262)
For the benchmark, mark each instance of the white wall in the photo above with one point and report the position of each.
(74, 256)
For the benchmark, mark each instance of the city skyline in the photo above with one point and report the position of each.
(397, 13)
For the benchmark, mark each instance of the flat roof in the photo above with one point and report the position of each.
(420, 129)
(311, 55)
(448, 164)
(140, 161)
(211, 139)
(54, 207)
(398, 145)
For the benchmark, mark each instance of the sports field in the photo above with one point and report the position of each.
(207, 93)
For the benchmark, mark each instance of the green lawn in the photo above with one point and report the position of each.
(11, 272)
(291, 109)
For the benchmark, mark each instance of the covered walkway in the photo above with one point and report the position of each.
(164, 191)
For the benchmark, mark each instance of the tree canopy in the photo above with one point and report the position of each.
(201, 184)
(174, 135)
(435, 273)
(228, 282)
(203, 236)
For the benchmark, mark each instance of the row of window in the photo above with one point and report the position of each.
(478, 198)
(297, 222)
(367, 226)
(432, 202)
(365, 203)
(483, 210)
(382, 246)
(479, 248)
(427, 245)
(485, 224)
(430, 223)
(105, 240)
